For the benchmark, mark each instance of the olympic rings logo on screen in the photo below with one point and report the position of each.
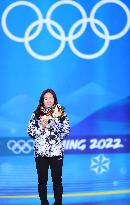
(20, 146)
(72, 35)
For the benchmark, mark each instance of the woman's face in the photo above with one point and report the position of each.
(48, 100)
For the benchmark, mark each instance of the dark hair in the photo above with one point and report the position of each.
(41, 101)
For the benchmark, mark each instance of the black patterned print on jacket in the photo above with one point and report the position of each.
(48, 141)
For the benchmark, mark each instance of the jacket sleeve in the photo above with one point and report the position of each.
(63, 127)
(34, 127)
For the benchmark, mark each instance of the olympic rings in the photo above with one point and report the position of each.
(97, 54)
(123, 6)
(6, 12)
(73, 3)
(71, 36)
(20, 146)
(49, 57)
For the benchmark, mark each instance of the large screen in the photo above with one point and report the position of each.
(81, 50)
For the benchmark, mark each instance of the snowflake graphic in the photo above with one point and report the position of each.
(100, 164)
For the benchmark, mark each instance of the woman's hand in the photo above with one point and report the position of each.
(44, 121)
(52, 122)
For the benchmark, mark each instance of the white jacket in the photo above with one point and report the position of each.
(48, 141)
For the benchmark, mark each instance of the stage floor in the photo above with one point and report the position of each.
(88, 179)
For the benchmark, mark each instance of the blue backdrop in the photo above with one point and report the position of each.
(81, 50)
